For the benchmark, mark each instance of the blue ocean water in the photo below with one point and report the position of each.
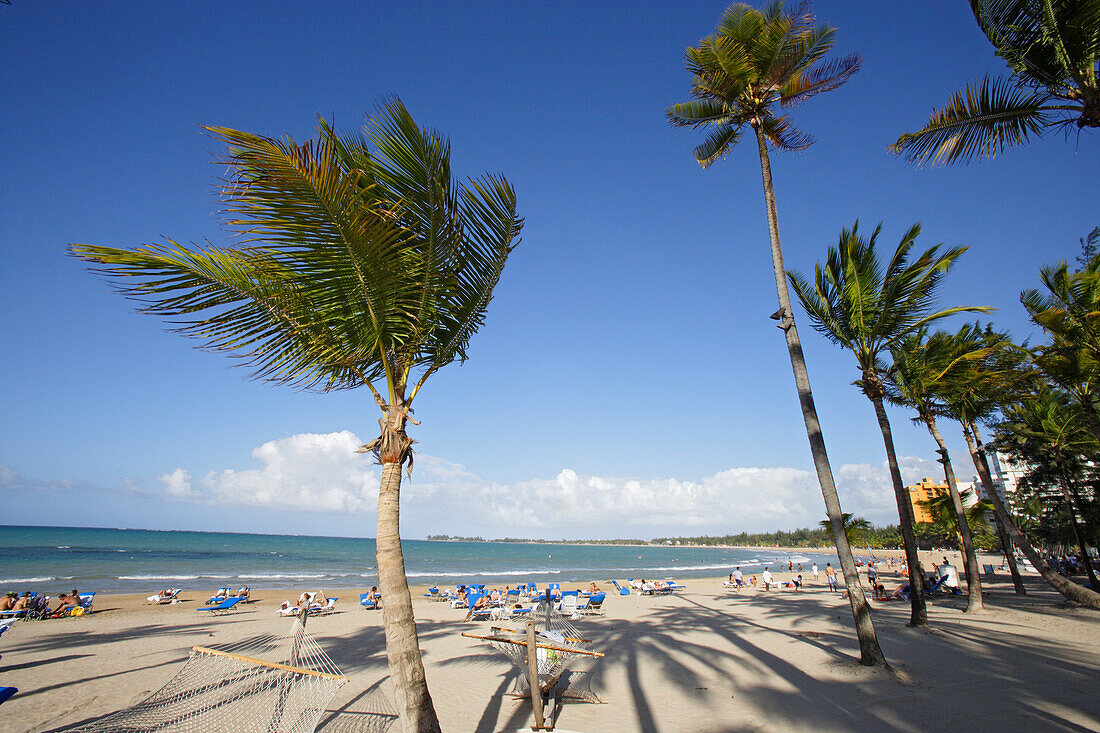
(51, 559)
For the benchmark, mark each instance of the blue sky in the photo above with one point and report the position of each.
(627, 381)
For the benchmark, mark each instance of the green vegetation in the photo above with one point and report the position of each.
(866, 306)
(1052, 51)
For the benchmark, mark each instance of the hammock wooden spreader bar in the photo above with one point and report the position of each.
(538, 644)
(272, 665)
(521, 632)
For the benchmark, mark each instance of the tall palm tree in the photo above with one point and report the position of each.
(974, 396)
(920, 363)
(357, 267)
(1052, 48)
(866, 308)
(1045, 430)
(754, 63)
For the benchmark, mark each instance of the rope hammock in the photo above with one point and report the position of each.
(563, 657)
(232, 689)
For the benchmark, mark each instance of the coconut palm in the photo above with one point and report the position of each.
(1069, 314)
(1052, 48)
(866, 308)
(855, 528)
(920, 364)
(358, 267)
(974, 396)
(1047, 432)
(753, 64)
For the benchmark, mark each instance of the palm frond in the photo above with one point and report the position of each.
(980, 121)
(696, 113)
(782, 133)
(717, 144)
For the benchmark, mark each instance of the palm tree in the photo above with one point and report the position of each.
(975, 395)
(1067, 312)
(855, 528)
(1052, 48)
(751, 65)
(357, 267)
(1047, 432)
(865, 308)
(944, 517)
(920, 363)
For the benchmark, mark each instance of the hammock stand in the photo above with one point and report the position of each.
(544, 652)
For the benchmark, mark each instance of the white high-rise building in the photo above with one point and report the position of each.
(1006, 475)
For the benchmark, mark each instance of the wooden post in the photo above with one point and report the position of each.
(533, 674)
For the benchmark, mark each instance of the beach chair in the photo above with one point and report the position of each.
(6, 624)
(219, 596)
(555, 590)
(623, 591)
(568, 605)
(6, 693)
(673, 586)
(433, 595)
(229, 604)
(86, 600)
(593, 606)
(565, 593)
(318, 609)
(367, 604)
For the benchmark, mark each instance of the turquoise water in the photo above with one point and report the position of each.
(51, 559)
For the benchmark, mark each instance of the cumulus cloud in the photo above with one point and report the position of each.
(308, 471)
(178, 484)
(322, 473)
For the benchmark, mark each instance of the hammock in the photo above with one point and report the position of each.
(231, 689)
(560, 648)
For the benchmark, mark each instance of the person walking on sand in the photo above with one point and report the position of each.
(872, 574)
(813, 569)
(738, 577)
(767, 579)
(830, 576)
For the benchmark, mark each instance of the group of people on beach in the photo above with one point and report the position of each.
(13, 603)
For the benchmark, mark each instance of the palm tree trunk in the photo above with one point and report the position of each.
(1069, 492)
(973, 579)
(1070, 590)
(987, 483)
(414, 703)
(918, 615)
(870, 653)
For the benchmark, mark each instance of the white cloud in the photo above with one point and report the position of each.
(178, 484)
(308, 471)
(322, 473)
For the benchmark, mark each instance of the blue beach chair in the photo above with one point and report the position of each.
(229, 604)
(592, 605)
(623, 591)
(369, 605)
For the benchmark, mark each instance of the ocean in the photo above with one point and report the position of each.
(52, 559)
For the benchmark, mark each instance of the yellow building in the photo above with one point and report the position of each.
(927, 489)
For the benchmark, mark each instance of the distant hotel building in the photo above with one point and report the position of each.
(927, 490)
(1006, 475)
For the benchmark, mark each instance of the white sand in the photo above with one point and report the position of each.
(704, 660)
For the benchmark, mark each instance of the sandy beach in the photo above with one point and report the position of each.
(706, 659)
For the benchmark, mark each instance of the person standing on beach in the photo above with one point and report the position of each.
(767, 579)
(813, 569)
(738, 578)
(872, 574)
(830, 576)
